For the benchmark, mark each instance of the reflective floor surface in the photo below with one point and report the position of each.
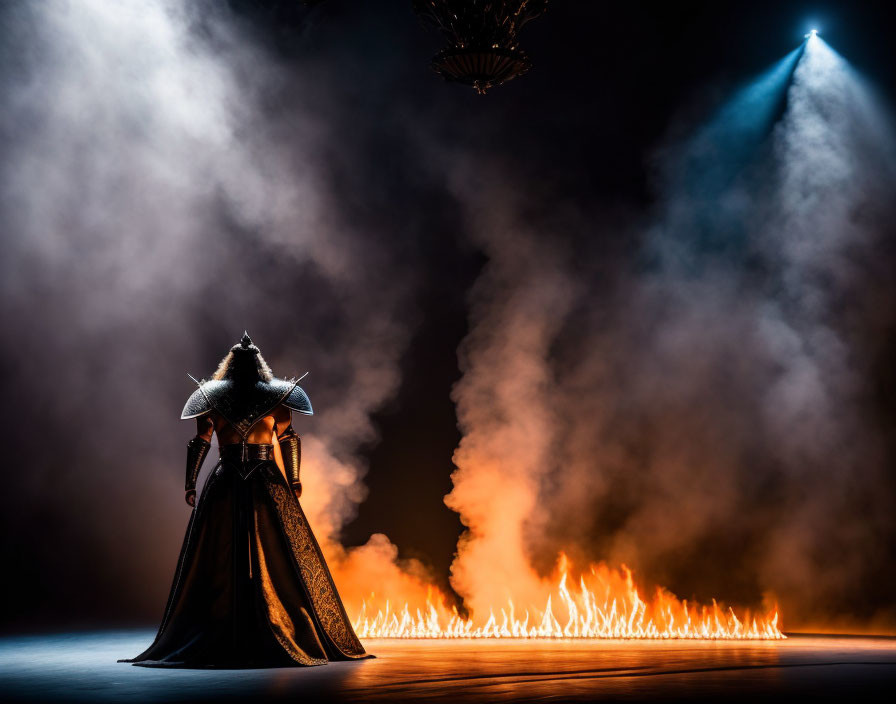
(82, 667)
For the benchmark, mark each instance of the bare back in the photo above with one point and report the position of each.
(262, 433)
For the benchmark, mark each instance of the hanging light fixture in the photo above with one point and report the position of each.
(482, 49)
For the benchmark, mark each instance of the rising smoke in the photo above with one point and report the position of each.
(165, 184)
(691, 396)
(706, 416)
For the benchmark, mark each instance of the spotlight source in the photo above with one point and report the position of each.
(812, 33)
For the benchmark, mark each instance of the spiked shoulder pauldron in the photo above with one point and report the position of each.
(243, 406)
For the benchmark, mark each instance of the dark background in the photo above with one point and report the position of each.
(608, 78)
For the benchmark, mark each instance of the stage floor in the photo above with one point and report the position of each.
(81, 667)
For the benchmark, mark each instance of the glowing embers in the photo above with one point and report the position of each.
(606, 604)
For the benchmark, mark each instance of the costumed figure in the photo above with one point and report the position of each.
(251, 588)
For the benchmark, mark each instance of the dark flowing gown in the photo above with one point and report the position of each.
(251, 587)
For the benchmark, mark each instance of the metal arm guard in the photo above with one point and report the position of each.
(197, 449)
(291, 449)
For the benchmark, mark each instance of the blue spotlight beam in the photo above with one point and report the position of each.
(729, 142)
(708, 167)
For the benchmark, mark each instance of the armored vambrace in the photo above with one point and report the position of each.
(291, 449)
(197, 449)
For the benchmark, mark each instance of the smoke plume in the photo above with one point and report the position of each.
(701, 412)
(689, 391)
(518, 305)
(165, 184)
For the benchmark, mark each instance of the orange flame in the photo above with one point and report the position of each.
(606, 604)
